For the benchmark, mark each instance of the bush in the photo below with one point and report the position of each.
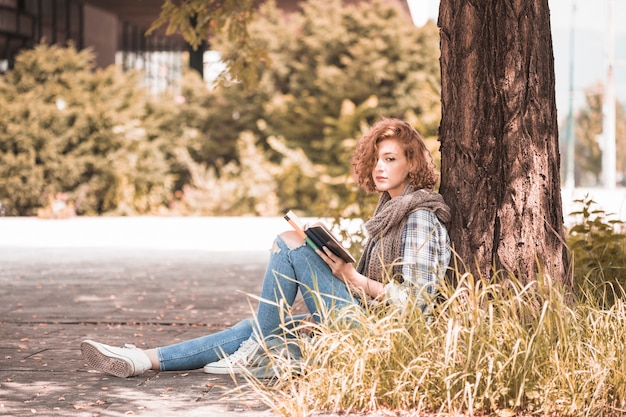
(67, 130)
(598, 250)
(94, 142)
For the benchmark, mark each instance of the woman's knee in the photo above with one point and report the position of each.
(291, 239)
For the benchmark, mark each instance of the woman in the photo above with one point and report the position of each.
(407, 250)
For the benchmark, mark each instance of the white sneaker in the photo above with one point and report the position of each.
(236, 362)
(280, 356)
(121, 362)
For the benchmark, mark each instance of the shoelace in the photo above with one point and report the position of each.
(244, 353)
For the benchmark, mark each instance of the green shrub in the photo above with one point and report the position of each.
(67, 129)
(95, 141)
(598, 249)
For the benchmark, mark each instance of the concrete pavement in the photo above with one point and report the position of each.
(146, 281)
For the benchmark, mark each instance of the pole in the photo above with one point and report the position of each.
(571, 137)
(608, 107)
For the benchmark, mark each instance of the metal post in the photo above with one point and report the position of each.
(608, 107)
(571, 136)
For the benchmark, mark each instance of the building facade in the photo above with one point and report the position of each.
(113, 29)
(24, 22)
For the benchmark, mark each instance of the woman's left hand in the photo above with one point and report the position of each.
(347, 273)
(341, 269)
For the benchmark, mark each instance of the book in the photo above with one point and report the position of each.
(318, 235)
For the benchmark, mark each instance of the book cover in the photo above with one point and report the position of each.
(328, 239)
(318, 236)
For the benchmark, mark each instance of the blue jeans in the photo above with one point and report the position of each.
(288, 271)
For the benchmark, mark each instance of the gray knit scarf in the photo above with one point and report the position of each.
(386, 226)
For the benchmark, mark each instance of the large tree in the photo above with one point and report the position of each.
(499, 137)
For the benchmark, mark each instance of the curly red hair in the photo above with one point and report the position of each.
(422, 174)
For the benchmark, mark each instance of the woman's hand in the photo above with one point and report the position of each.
(341, 269)
(347, 273)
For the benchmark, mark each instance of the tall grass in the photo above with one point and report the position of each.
(598, 248)
(487, 348)
(491, 346)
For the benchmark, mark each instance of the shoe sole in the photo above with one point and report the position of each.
(102, 359)
(259, 372)
(223, 371)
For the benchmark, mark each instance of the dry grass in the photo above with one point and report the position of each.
(491, 346)
(488, 348)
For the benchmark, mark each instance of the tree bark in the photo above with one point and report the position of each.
(499, 137)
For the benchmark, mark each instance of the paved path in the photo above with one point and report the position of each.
(62, 281)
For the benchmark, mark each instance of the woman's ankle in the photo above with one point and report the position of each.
(153, 355)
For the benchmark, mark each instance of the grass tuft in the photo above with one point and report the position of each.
(487, 348)
(491, 346)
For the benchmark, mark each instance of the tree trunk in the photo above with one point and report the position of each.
(499, 137)
(196, 57)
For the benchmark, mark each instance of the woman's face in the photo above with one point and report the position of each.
(391, 168)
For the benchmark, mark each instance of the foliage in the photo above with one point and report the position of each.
(346, 65)
(598, 247)
(335, 69)
(66, 130)
(228, 193)
(196, 20)
(323, 87)
(97, 142)
(491, 347)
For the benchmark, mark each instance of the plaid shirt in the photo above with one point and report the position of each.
(425, 258)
